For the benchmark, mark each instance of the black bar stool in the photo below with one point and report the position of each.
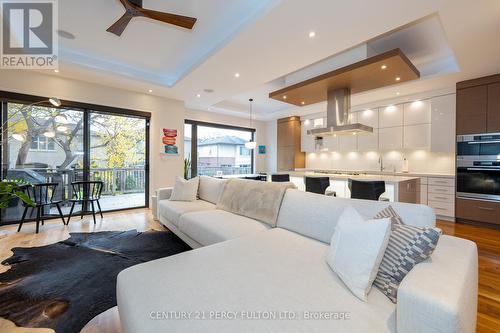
(280, 178)
(317, 184)
(85, 192)
(42, 195)
(368, 190)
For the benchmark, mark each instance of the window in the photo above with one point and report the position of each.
(42, 143)
(72, 143)
(217, 150)
(245, 151)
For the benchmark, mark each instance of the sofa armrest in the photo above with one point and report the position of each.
(440, 294)
(164, 193)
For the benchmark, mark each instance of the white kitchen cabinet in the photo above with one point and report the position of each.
(443, 124)
(390, 138)
(417, 136)
(368, 117)
(418, 112)
(348, 143)
(391, 116)
(306, 141)
(331, 143)
(368, 141)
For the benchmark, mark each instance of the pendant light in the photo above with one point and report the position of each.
(251, 144)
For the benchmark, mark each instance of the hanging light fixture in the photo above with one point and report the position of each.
(251, 144)
(55, 101)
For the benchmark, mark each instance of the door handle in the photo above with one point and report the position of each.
(485, 208)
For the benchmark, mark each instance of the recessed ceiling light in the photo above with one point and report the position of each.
(236, 74)
(398, 79)
(312, 34)
(56, 71)
(303, 103)
(284, 97)
(383, 66)
(397, 93)
(150, 91)
(198, 95)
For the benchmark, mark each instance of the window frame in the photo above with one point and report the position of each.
(194, 141)
(87, 109)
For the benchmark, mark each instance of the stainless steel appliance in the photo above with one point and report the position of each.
(478, 166)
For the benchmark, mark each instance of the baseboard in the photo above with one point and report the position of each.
(478, 224)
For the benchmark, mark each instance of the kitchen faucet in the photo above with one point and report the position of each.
(381, 162)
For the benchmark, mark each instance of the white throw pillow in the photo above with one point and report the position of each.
(185, 190)
(211, 189)
(356, 250)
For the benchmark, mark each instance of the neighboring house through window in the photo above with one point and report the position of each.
(42, 143)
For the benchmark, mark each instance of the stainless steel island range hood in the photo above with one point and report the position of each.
(338, 116)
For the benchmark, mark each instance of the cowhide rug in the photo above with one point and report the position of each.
(64, 285)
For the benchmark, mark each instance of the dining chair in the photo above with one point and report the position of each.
(43, 196)
(282, 178)
(85, 193)
(368, 190)
(317, 184)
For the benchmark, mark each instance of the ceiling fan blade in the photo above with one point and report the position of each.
(179, 20)
(121, 24)
(127, 4)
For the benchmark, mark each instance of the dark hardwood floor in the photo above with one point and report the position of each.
(488, 243)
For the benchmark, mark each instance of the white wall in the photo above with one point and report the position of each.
(260, 134)
(164, 112)
(271, 129)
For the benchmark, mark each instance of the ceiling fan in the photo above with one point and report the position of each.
(133, 8)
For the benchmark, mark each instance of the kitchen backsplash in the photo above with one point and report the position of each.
(419, 161)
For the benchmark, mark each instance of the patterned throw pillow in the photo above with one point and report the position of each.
(390, 213)
(407, 247)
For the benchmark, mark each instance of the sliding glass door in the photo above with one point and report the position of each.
(218, 150)
(42, 144)
(118, 158)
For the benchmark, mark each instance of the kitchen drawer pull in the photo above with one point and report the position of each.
(439, 208)
(442, 198)
(485, 208)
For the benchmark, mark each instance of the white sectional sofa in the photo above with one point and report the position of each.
(247, 270)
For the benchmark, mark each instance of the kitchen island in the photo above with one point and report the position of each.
(398, 188)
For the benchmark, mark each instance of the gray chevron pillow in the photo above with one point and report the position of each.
(407, 247)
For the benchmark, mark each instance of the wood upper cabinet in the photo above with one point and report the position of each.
(472, 107)
(493, 117)
(290, 156)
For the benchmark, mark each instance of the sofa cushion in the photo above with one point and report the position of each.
(216, 226)
(315, 215)
(210, 189)
(185, 190)
(273, 272)
(173, 210)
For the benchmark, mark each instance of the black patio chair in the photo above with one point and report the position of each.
(43, 196)
(85, 192)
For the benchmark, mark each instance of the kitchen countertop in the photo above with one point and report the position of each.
(384, 173)
(366, 177)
